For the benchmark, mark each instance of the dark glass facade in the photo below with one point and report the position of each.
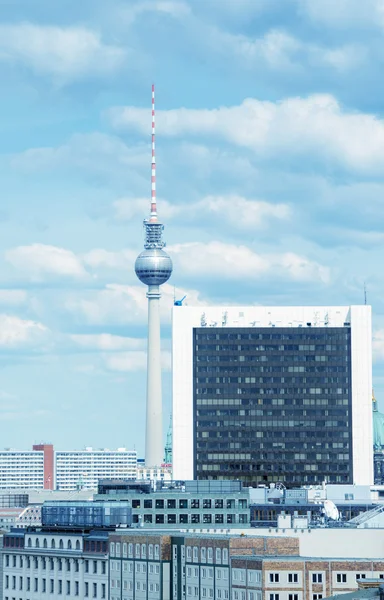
(273, 404)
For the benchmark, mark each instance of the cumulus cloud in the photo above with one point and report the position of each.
(65, 53)
(315, 126)
(240, 212)
(231, 262)
(39, 261)
(97, 154)
(13, 297)
(378, 345)
(344, 13)
(123, 304)
(16, 333)
(134, 361)
(106, 342)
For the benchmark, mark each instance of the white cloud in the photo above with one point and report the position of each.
(295, 127)
(239, 212)
(13, 297)
(107, 342)
(128, 208)
(378, 345)
(16, 333)
(123, 304)
(344, 13)
(95, 153)
(100, 259)
(134, 361)
(63, 53)
(40, 261)
(230, 262)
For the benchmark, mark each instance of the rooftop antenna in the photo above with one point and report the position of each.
(365, 293)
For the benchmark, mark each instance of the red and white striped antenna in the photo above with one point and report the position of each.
(153, 166)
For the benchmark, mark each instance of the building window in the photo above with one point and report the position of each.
(76, 588)
(293, 596)
(360, 575)
(195, 553)
(341, 578)
(61, 544)
(218, 555)
(68, 588)
(52, 586)
(95, 590)
(273, 596)
(112, 549)
(293, 578)
(95, 567)
(53, 545)
(317, 596)
(60, 586)
(317, 578)
(274, 577)
(86, 589)
(36, 585)
(77, 544)
(103, 590)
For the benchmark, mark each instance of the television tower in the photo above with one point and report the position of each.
(153, 267)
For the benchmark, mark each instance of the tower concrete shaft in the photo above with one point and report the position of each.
(154, 416)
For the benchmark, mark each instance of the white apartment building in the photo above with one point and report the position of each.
(66, 470)
(82, 469)
(21, 469)
(272, 394)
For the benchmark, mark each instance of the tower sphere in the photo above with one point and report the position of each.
(153, 266)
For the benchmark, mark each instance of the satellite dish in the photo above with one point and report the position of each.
(330, 510)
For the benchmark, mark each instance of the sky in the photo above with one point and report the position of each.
(270, 179)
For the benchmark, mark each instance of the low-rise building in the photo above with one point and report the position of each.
(205, 505)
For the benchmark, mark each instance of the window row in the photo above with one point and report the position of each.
(62, 544)
(206, 554)
(48, 586)
(62, 564)
(184, 503)
(135, 550)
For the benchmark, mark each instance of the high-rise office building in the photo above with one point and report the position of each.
(268, 394)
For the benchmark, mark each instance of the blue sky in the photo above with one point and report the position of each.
(270, 157)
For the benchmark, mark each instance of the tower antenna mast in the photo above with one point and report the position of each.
(153, 161)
